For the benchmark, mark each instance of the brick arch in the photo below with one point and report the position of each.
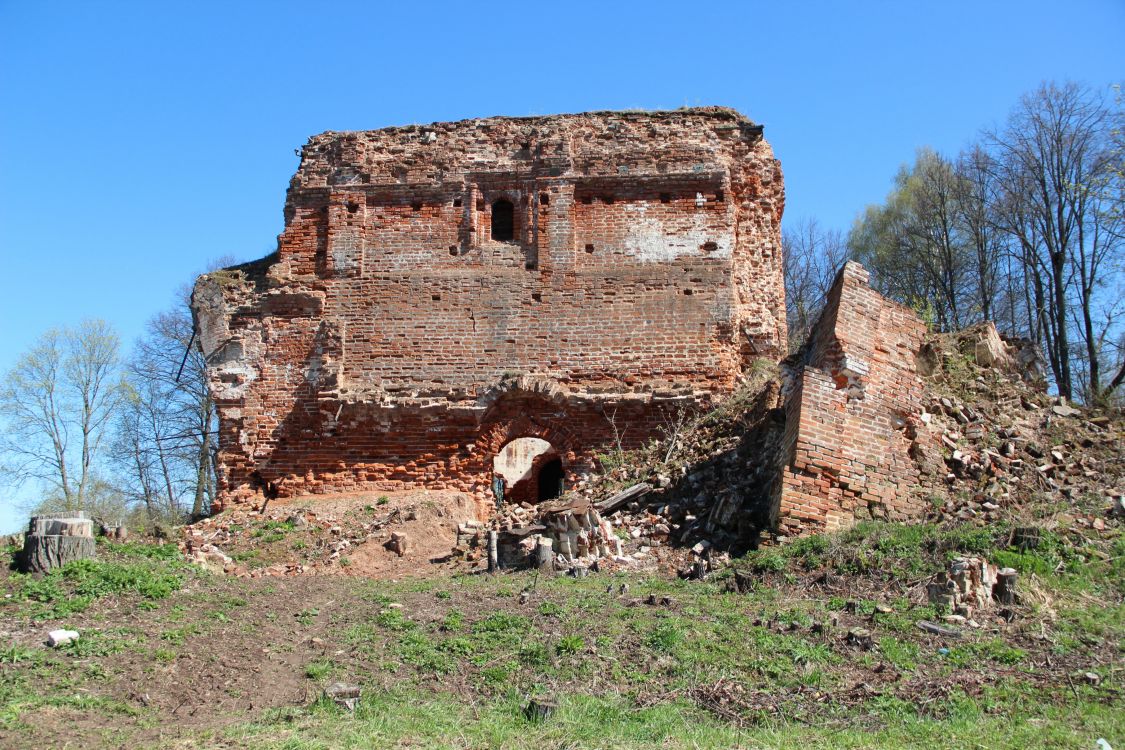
(502, 429)
(527, 487)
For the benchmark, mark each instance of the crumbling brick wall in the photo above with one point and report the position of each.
(852, 414)
(440, 290)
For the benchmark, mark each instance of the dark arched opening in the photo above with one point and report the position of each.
(550, 479)
(503, 220)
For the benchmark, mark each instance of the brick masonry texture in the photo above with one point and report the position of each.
(852, 421)
(440, 290)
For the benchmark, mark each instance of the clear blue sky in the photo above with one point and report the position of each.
(139, 141)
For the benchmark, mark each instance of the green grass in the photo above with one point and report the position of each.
(454, 665)
(1029, 718)
(75, 586)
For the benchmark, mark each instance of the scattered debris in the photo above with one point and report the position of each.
(343, 695)
(933, 627)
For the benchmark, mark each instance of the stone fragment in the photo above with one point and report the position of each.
(1063, 409)
(62, 637)
(343, 695)
(399, 543)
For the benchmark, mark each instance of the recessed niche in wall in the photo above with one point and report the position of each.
(503, 220)
(589, 248)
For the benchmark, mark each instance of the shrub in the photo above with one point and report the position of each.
(569, 645)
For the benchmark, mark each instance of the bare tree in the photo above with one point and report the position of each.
(56, 404)
(166, 448)
(811, 258)
(974, 206)
(1053, 153)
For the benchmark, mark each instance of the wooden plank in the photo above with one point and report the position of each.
(524, 531)
(610, 504)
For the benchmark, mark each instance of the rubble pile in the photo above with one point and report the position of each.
(1004, 441)
(971, 585)
(704, 491)
(684, 502)
(331, 536)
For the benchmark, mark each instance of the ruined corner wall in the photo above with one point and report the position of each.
(853, 414)
(397, 338)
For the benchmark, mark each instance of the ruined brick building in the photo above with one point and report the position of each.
(507, 297)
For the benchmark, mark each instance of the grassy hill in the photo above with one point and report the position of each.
(810, 643)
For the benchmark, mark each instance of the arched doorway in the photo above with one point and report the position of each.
(531, 468)
(549, 481)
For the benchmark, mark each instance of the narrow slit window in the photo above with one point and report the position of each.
(503, 220)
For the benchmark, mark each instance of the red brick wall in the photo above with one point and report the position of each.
(852, 414)
(392, 342)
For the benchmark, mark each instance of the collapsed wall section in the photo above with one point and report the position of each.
(441, 290)
(853, 414)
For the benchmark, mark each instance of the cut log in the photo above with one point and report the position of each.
(610, 504)
(54, 539)
(936, 629)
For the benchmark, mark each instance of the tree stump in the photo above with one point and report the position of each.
(540, 709)
(54, 539)
(861, 637)
(1004, 589)
(544, 554)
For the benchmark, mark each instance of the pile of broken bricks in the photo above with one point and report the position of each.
(996, 455)
(203, 542)
(577, 534)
